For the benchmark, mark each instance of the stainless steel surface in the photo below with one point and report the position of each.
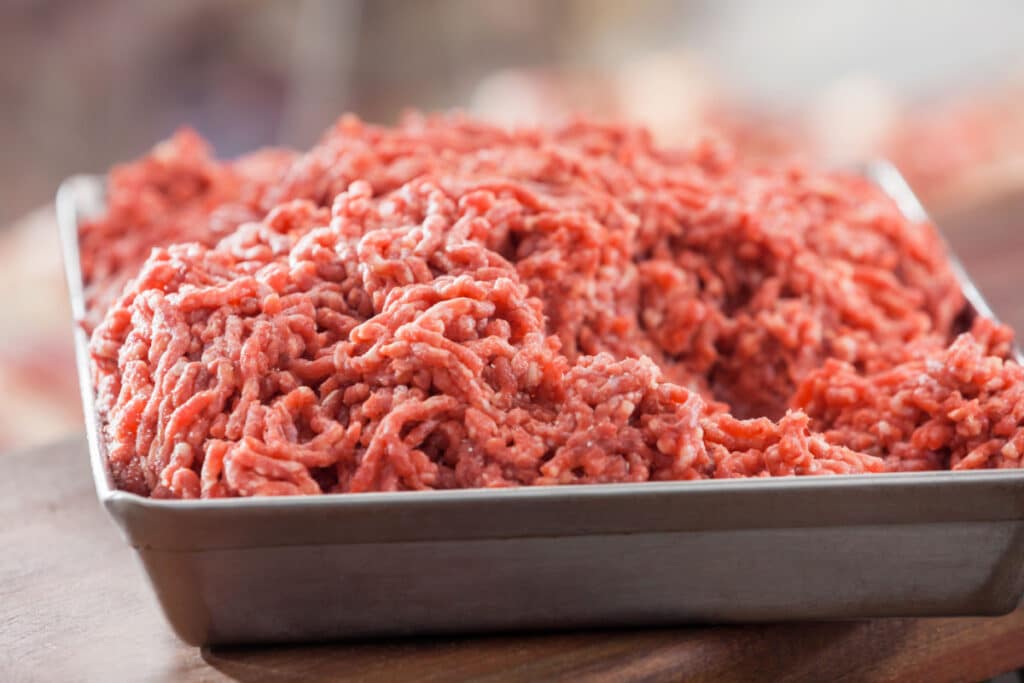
(286, 569)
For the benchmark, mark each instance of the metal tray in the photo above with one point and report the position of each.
(291, 569)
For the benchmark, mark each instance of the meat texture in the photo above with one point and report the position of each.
(450, 304)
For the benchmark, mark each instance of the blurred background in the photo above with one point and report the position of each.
(938, 87)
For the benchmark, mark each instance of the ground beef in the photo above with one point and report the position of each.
(177, 193)
(960, 407)
(450, 304)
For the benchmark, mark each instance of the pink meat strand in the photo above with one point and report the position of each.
(449, 304)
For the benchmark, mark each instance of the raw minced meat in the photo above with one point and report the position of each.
(959, 408)
(178, 193)
(451, 304)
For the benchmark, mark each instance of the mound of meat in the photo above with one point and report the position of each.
(449, 304)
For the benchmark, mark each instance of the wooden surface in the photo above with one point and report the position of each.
(74, 605)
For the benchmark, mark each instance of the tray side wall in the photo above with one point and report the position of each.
(319, 592)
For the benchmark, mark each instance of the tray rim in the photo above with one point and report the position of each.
(81, 195)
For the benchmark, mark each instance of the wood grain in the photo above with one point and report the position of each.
(74, 605)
